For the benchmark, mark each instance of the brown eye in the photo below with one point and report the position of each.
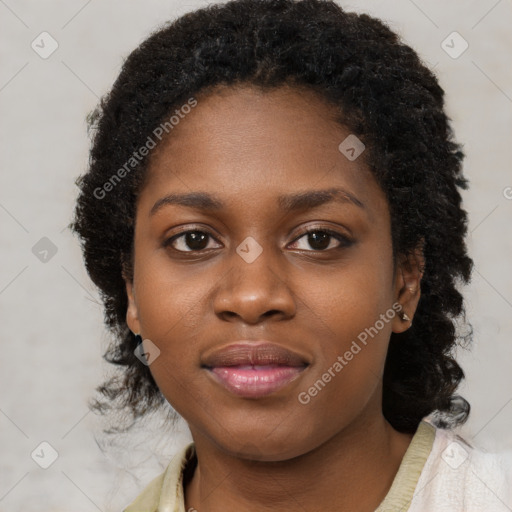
(189, 241)
(322, 239)
(319, 240)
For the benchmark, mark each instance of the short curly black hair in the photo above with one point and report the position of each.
(385, 95)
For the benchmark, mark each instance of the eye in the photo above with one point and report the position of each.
(322, 239)
(195, 240)
(318, 239)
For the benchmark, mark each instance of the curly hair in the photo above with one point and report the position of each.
(384, 94)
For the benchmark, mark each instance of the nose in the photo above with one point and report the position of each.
(253, 292)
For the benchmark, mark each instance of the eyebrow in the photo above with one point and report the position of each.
(290, 202)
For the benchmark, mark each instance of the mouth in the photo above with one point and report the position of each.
(254, 369)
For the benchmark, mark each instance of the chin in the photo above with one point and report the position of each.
(279, 449)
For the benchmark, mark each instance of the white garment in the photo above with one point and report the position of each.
(460, 478)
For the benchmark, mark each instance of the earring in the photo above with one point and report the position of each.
(404, 316)
(138, 339)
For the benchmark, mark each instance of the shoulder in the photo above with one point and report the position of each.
(458, 476)
(166, 489)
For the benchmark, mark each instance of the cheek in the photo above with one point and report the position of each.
(171, 308)
(351, 298)
(171, 313)
(169, 298)
(352, 311)
(357, 329)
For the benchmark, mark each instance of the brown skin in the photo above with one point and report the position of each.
(248, 147)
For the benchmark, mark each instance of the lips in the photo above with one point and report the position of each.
(253, 353)
(254, 369)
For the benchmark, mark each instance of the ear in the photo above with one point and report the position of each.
(132, 313)
(408, 274)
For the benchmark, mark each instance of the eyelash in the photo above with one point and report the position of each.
(342, 239)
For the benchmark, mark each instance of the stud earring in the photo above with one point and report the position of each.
(404, 316)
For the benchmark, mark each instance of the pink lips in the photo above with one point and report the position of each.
(254, 369)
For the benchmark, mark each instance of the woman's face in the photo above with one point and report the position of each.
(217, 275)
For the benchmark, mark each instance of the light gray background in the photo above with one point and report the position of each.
(51, 319)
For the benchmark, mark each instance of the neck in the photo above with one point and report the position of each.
(353, 470)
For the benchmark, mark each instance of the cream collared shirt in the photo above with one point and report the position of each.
(439, 472)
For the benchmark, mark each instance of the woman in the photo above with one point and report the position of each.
(273, 215)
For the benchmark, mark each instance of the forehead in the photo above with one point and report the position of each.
(243, 142)
(244, 118)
